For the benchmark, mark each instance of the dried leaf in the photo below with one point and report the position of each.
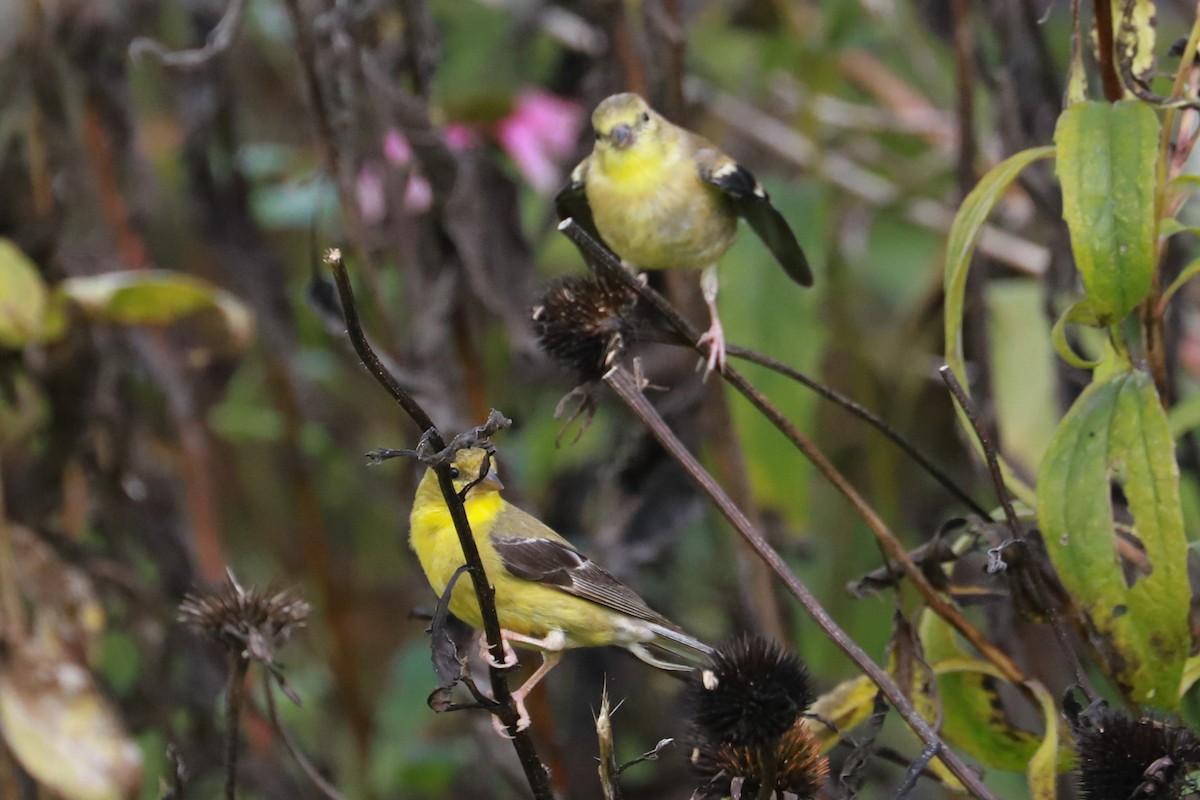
(62, 730)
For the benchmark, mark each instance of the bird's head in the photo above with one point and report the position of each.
(473, 465)
(621, 120)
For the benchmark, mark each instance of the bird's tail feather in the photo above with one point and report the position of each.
(672, 642)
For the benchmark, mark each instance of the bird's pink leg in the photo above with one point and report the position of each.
(551, 647)
(714, 337)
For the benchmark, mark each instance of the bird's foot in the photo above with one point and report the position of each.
(522, 720)
(714, 337)
(510, 655)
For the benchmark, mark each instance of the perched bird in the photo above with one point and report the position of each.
(662, 197)
(549, 596)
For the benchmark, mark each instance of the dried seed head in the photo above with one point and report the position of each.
(752, 692)
(1122, 758)
(798, 766)
(251, 622)
(583, 322)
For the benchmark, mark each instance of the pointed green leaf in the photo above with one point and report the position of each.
(1107, 165)
(22, 298)
(1043, 767)
(964, 235)
(1117, 432)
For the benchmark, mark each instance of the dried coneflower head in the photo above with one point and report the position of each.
(583, 322)
(251, 622)
(752, 692)
(1121, 758)
(793, 763)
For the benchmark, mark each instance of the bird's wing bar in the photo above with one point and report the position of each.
(571, 201)
(555, 563)
(751, 202)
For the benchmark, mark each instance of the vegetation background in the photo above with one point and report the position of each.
(427, 138)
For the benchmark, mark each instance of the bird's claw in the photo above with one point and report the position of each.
(523, 722)
(714, 337)
(510, 655)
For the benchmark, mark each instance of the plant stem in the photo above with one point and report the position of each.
(626, 387)
(535, 772)
(867, 416)
(601, 260)
(235, 693)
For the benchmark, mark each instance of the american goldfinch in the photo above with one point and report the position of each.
(662, 197)
(549, 596)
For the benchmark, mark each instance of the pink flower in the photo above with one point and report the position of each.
(396, 148)
(459, 136)
(537, 134)
(368, 190)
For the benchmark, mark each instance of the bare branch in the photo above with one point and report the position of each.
(219, 39)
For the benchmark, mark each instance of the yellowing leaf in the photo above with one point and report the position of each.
(1107, 158)
(1117, 432)
(22, 298)
(155, 297)
(973, 717)
(61, 729)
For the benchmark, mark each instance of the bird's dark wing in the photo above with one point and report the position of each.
(554, 562)
(751, 202)
(571, 201)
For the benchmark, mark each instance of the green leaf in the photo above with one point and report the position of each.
(22, 298)
(1185, 275)
(973, 718)
(1107, 162)
(1043, 767)
(1081, 313)
(964, 235)
(1117, 432)
(155, 297)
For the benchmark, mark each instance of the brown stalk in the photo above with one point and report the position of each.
(535, 772)
(598, 257)
(627, 388)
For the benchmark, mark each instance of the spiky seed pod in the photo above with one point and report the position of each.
(798, 766)
(251, 622)
(1122, 758)
(581, 322)
(752, 692)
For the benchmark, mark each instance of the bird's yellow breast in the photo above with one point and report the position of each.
(654, 211)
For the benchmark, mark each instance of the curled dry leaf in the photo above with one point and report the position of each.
(61, 729)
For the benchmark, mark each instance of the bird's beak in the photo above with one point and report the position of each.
(622, 136)
(492, 481)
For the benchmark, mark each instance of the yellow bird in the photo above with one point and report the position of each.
(549, 596)
(662, 197)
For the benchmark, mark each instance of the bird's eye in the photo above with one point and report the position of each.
(454, 473)
(645, 116)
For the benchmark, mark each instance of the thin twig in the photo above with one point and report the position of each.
(915, 770)
(989, 451)
(599, 258)
(1030, 570)
(866, 415)
(220, 39)
(535, 771)
(315, 777)
(236, 692)
(626, 387)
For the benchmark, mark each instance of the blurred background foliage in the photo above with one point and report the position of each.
(144, 459)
